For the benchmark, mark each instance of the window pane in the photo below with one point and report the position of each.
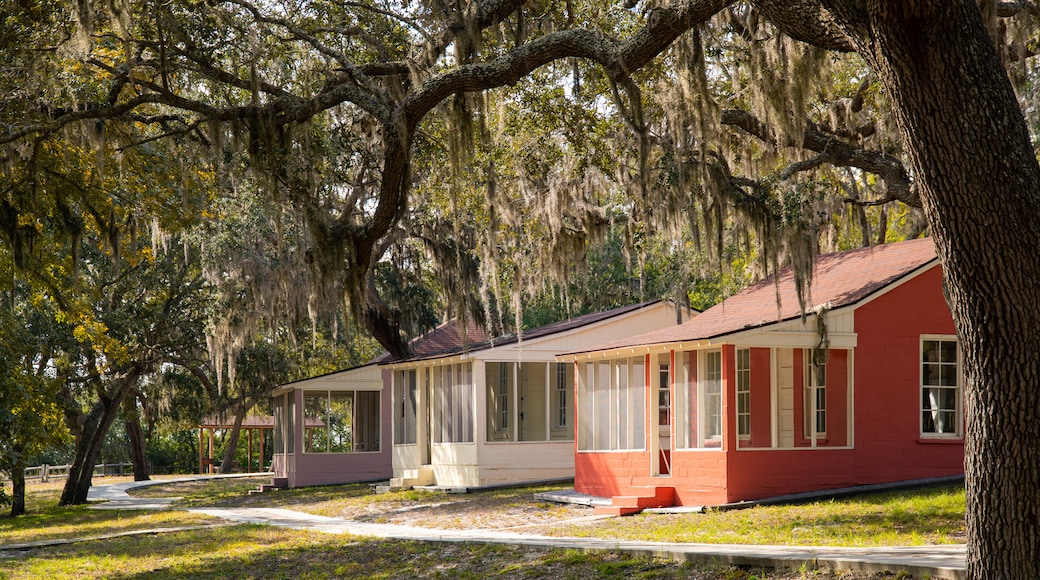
(948, 351)
(929, 374)
(930, 351)
(948, 374)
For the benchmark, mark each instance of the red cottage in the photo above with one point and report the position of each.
(748, 400)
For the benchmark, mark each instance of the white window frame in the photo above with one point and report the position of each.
(664, 390)
(812, 410)
(709, 404)
(504, 395)
(561, 416)
(958, 411)
(743, 379)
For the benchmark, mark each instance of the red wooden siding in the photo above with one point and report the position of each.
(761, 413)
(888, 391)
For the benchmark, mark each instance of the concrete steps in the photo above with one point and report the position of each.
(276, 483)
(410, 478)
(649, 497)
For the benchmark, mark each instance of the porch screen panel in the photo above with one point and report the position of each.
(604, 414)
(586, 406)
(279, 423)
(290, 423)
(340, 423)
(444, 400)
(681, 406)
(611, 405)
(621, 405)
(637, 397)
(404, 401)
(466, 401)
(315, 422)
(366, 428)
(454, 413)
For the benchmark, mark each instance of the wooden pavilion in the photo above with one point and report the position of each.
(251, 424)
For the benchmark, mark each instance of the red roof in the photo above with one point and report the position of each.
(840, 279)
(546, 330)
(445, 338)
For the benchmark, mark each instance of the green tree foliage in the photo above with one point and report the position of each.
(30, 419)
(783, 125)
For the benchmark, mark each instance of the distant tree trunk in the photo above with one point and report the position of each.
(132, 418)
(980, 186)
(882, 229)
(18, 482)
(227, 463)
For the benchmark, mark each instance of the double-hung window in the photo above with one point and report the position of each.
(743, 393)
(941, 396)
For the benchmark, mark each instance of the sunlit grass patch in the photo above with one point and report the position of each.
(207, 492)
(928, 516)
(46, 520)
(276, 553)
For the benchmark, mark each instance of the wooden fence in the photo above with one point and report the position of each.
(46, 472)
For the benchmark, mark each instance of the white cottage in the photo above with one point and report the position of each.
(501, 411)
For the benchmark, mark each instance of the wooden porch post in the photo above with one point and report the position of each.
(249, 453)
(211, 430)
(202, 452)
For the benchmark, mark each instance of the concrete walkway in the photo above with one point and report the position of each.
(115, 497)
(946, 561)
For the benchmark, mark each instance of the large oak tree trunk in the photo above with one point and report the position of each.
(980, 186)
(89, 440)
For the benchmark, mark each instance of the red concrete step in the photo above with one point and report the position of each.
(615, 511)
(651, 497)
(626, 505)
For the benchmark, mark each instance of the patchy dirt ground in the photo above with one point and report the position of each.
(505, 509)
(493, 510)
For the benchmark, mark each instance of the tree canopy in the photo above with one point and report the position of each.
(481, 148)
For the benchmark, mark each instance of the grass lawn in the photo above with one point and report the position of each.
(927, 516)
(933, 515)
(274, 553)
(45, 520)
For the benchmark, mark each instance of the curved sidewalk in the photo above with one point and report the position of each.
(945, 561)
(114, 496)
